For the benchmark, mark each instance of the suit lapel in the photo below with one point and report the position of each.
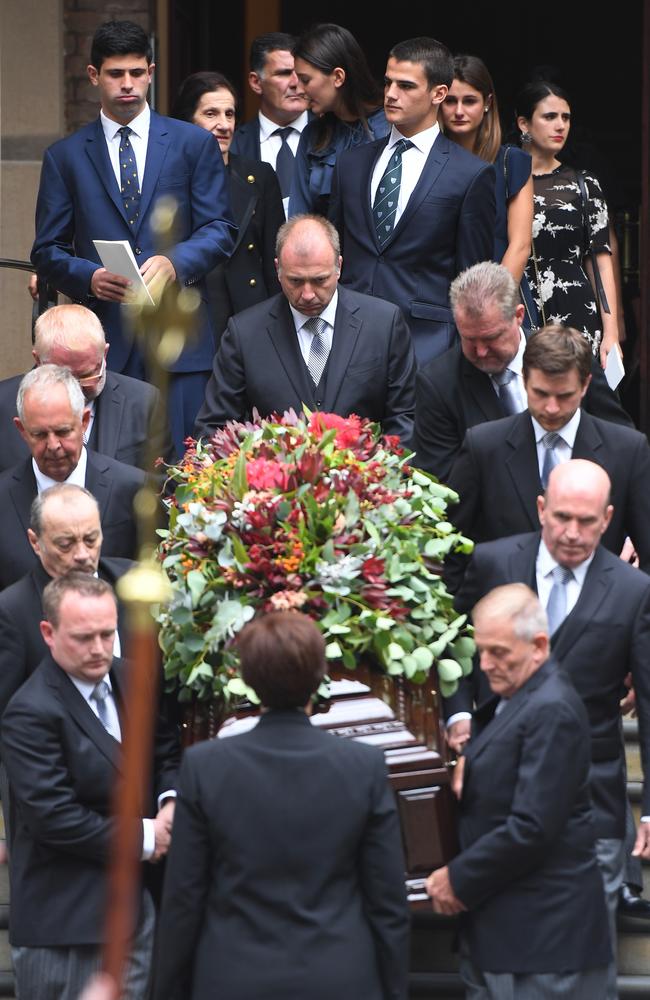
(157, 147)
(282, 332)
(82, 713)
(597, 584)
(435, 163)
(588, 441)
(97, 151)
(22, 491)
(347, 326)
(98, 481)
(109, 410)
(522, 563)
(521, 465)
(478, 388)
(372, 151)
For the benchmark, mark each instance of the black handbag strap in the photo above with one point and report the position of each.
(587, 231)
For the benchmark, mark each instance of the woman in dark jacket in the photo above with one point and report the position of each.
(248, 277)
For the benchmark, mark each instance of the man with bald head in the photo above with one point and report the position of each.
(52, 418)
(599, 621)
(65, 533)
(126, 415)
(315, 344)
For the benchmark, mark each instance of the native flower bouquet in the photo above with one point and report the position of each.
(317, 513)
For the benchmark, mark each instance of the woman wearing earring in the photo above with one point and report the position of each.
(333, 70)
(570, 270)
(470, 116)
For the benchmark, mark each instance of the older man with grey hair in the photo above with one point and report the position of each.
(127, 420)
(526, 881)
(52, 417)
(480, 377)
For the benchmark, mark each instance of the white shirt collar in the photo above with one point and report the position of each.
(77, 477)
(139, 124)
(546, 564)
(567, 433)
(267, 127)
(421, 140)
(517, 363)
(328, 313)
(86, 688)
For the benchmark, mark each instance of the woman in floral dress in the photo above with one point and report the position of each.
(567, 232)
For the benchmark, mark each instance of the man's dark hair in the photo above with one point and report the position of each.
(272, 41)
(282, 657)
(74, 582)
(435, 59)
(119, 38)
(555, 350)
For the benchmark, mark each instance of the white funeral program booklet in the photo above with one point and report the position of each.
(117, 256)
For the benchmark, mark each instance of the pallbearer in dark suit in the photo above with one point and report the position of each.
(286, 876)
(600, 633)
(127, 421)
(526, 881)
(61, 737)
(480, 378)
(408, 249)
(503, 465)
(317, 344)
(52, 419)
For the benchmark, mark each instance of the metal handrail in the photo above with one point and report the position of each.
(47, 294)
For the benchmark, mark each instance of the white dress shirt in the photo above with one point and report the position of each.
(544, 566)
(305, 337)
(564, 448)
(139, 139)
(77, 477)
(516, 366)
(413, 161)
(270, 144)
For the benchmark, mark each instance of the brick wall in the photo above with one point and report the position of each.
(80, 20)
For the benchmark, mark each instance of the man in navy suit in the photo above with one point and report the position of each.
(273, 135)
(408, 249)
(85, 194)
(526, 882)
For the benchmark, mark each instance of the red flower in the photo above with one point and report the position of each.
(348, 429)
(373, 570)
(263, 474)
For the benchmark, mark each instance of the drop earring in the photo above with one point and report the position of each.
(526, 138)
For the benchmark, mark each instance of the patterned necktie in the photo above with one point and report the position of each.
(556, 606)
(318, 351)
(129, 184)
(506, 392)
(99, 695)
(285, 161)
(551, 457)
(387, 195)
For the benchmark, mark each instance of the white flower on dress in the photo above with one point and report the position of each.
(539, 222)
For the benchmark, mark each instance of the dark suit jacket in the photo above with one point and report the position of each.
(448, 225)
(527, 869)
(62, 767)
(285, 877)
(79, 200)
(22, 646)
(120, 427)
(605, 637)
(451, 395)
(249, 275)
(497, 476)
(113, 485)
(371, 369)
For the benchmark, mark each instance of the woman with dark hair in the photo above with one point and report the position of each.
(470, 116)
(285, 877)
(248, 276)
(342, 92)
(570, 270)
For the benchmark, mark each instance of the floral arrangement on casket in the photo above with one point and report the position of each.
(318, 513)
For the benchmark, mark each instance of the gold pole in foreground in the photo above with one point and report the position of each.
(162, 331)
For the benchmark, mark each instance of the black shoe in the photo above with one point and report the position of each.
(632, 904)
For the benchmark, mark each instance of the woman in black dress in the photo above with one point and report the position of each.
(248, 276)
(570, 225)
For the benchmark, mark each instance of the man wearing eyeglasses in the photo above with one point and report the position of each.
(125, 413)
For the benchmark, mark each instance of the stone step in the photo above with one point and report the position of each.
(448, 986)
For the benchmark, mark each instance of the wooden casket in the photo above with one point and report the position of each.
(402, 719)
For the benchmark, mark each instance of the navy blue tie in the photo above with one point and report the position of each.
(387, 194)
(285, 161)
(129, 184)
